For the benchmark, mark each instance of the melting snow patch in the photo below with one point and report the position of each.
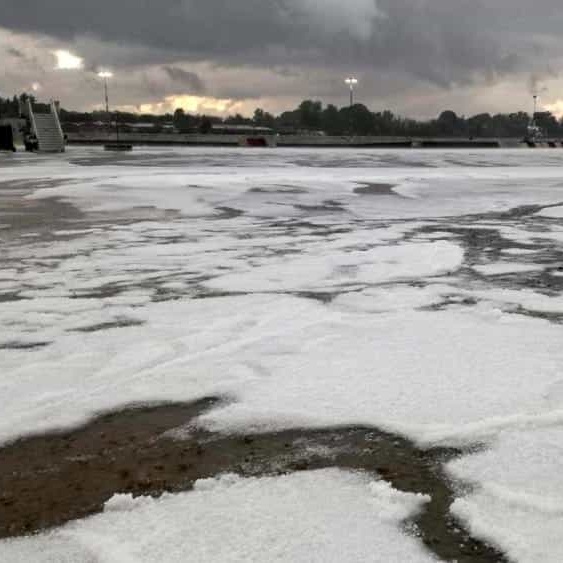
(552, 212)
(518, 503)
(320, 516)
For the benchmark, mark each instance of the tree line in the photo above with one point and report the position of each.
(311, 116)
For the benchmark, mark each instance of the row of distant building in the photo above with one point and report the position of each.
(170, 128)
(166, 127)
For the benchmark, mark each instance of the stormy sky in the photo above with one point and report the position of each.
(415, 57)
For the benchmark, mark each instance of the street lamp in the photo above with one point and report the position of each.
(351, 81)
(105, 74)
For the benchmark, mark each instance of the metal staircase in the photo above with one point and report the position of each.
(47, 129)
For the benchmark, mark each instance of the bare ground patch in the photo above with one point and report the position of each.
(48, 480)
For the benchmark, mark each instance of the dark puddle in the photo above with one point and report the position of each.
(228, 213)
(48, 480)
(451, 301)
(11, 297)
(291, 226)
(324, 297)
(376, 189)
(278, 190)
(546, 316)
(118, 323)
(541, 281)
(102, 292)
(23, 345)
(328, 206)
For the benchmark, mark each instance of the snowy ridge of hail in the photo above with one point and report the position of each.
(284, 517)
(313, 288)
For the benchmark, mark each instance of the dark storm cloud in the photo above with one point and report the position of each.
(442, 41)
(16, 53)
(189, 81)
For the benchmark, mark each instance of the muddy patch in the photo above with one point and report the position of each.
(46, 481)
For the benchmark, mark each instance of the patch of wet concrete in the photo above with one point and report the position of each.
(228, 213)
(118, 323)
(451, 301)
(103, 292)
(545, 315)
(324, 297)
(23, 345)
(376, 189)
(48, 480)
(328, 206)
(294, 190)
(37, 215)
(291, 226)
(11, 297)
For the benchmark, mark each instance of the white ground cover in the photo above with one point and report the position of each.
(503, 268)
(520, 500)
(399, 344)
(553, 212)
(320, 516)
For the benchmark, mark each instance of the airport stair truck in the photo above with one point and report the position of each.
(46, 127)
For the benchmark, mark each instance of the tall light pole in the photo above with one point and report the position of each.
(351, 81)
(105, 74)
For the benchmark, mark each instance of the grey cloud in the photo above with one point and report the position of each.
(188, 80)
(444, 42)
(16, 53)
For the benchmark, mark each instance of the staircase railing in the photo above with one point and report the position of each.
(31, 117)
(55, 113)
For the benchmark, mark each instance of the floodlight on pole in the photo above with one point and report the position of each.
(351, 81)
(105, 74)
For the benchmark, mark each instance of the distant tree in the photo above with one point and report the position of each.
(310, 114)
(179, 115)
(448, 123)
(331, 121)
(359, 120)
(263, 118)
(205, 126)
(184, 122)
(480, 125)
(288, 121)
(238, 119)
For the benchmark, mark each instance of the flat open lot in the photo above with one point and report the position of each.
(346, 355)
